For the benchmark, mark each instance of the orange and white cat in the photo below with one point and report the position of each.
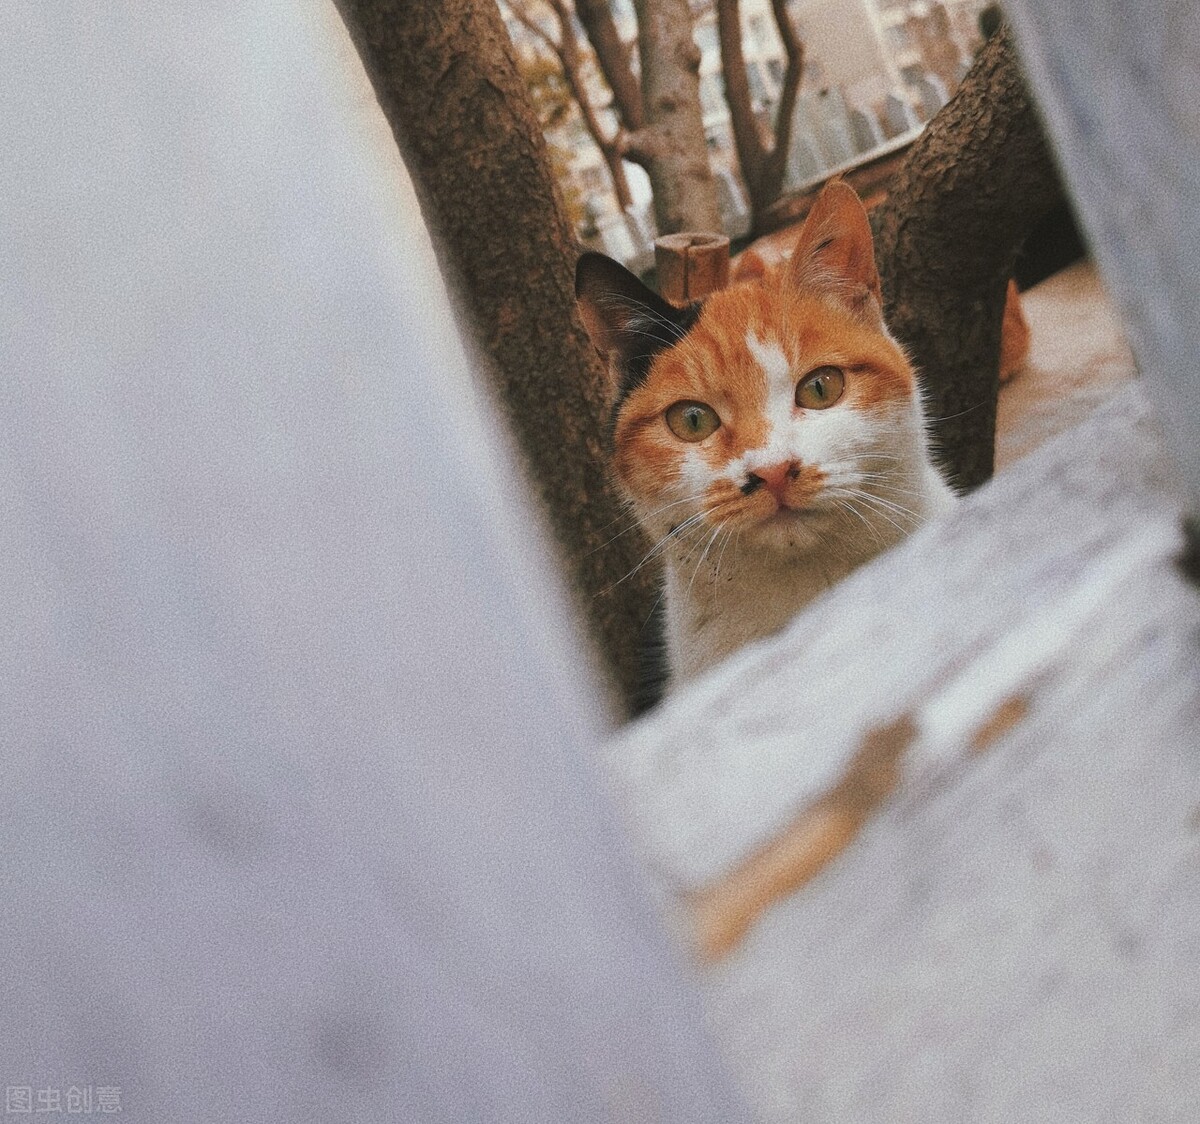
(770, 439)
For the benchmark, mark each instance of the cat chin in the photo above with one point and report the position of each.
(788, 530)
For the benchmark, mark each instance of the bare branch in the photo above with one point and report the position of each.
(762, 168)
(746, 136)
(522, 16)
(571, 56)
(640, 147)
(793, 48)
(615, 58)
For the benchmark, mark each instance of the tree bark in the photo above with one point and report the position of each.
(614, 57)
(762, 166)
(671, 145)
(448, 84)
(964, 200)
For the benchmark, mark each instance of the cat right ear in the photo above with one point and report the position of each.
(835, 253)
(628, 322)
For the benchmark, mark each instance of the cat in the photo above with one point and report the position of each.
(770, 438)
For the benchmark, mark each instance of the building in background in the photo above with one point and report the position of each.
(875, 71)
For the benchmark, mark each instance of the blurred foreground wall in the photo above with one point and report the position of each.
(299, 819)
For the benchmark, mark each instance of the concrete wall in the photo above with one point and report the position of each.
(299, 820)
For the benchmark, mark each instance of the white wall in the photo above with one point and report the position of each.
(299, 818)
(1120, 92)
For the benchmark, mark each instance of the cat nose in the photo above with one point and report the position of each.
(775, 479)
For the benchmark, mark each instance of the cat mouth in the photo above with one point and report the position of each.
(787, 515)
(787, 521)
(789, 529)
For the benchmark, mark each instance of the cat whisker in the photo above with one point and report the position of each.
(696, 545)
(847, 505)
(629, 330)
(970, 409)
(857, 498)
(653, 608)
(651, 314)
(688, 525)
(630, 512)
(680, 533)
(638, 520)
(721, 556)
(885, 486)
(849, 477)
(873, 456)
(881, 512)
(890, 505)
(886, 492)
(960, 414)
(703, 554)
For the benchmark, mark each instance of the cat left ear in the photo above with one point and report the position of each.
(835, 254)
(628, 322)
(750, 266)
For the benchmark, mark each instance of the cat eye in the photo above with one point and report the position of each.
(820, 388)
(692, 421)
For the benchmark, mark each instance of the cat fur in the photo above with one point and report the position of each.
(780, 502)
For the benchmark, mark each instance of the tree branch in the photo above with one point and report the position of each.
(762, 168)
(571, 56)
(567, 50)
(615, 59)
(641, 147)
(793, 48)
(531, 25)
(747, 138)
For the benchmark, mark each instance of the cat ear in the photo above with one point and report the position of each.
(627, 321)
(835, 254)
(750, 267)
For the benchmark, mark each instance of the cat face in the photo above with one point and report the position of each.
(776, 408)
(766, 411)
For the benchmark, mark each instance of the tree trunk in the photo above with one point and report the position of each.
(671, 145)
(963, 202)
(448, 84)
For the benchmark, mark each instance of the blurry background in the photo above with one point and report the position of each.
(872, 72)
